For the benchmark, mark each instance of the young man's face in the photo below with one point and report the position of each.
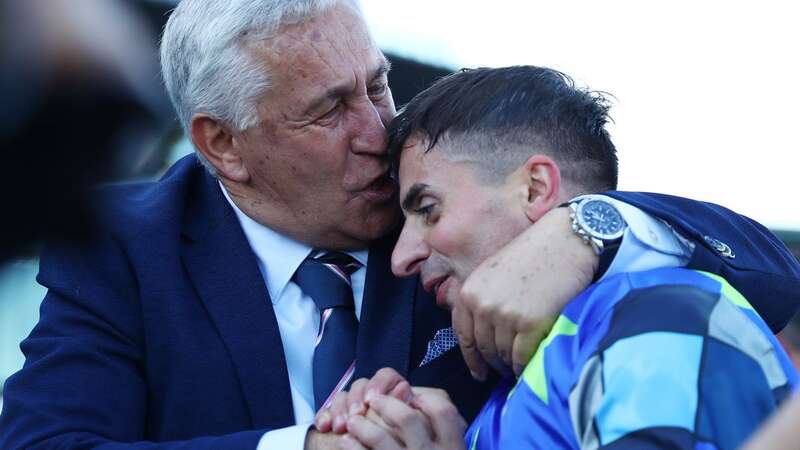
(454, 219)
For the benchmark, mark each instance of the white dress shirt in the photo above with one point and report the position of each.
(278, 258)
(647, 243)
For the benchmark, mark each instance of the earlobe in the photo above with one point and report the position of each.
(544, 186)
(214, 140)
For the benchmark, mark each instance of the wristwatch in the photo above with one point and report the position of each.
(600, 225)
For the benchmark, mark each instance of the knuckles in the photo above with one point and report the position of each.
(405, 418)
(388, 374)
(359, 384)
(443, 409)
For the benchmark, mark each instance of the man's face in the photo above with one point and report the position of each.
(454, 219)
(317, 160)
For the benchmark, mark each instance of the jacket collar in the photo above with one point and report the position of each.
(224, 271)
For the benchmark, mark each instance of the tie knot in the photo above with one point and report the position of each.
(342, 261)
(325, 277)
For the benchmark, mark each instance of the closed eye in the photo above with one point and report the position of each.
(377, 92)
(330, 115)
(428, 212)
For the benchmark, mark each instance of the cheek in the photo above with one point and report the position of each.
(471, 235)
(317, 155)
(450, 238)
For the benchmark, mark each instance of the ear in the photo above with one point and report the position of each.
(215, 140)
(543, 179)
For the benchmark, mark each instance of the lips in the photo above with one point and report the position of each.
(381, 190)
(439, 287)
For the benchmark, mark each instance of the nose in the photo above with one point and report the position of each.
(369, 136)
(409, 252)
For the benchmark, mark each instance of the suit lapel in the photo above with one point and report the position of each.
(385, 328)
(224, 271)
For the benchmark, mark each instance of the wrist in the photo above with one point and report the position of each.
(583, 259)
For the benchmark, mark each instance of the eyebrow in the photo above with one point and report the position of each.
(412, 195)
(383, 68)
(341, 90)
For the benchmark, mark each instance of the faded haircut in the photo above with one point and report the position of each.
(498, 118)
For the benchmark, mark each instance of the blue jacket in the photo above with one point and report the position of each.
(664, 358)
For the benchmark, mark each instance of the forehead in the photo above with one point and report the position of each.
(432, 168)
(334, 44)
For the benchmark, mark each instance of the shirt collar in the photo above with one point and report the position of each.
(278, 256)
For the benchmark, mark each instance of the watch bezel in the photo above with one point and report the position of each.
(594, 233)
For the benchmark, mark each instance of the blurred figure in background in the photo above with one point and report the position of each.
(81, 104)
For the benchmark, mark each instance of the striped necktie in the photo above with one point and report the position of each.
(325, 277)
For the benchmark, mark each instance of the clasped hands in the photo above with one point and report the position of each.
(386, 413)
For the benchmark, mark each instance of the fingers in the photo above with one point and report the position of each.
(376, 419)
(448, 425)
(484, 341)
(395, 425)
(323, 420)
(350, 443)
(402, 391)
(355, 398)
(370, 435)
(464, 329)
(411, 426)
(504, 342)
(388, 382)
(345, 404)
(334, 416)
(525, 345)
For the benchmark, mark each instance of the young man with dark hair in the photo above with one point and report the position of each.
(657, 357)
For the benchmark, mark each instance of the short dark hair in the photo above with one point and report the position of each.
(501, 116)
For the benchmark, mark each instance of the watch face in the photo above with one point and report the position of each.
(602, 219)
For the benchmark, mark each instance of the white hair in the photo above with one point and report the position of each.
(205, 60)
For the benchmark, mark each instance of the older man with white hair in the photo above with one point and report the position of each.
(226, 303)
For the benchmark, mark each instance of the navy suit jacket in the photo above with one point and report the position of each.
(160, 334)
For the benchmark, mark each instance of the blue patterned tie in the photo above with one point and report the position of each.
(326, 279)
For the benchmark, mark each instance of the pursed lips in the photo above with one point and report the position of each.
(382, 188)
